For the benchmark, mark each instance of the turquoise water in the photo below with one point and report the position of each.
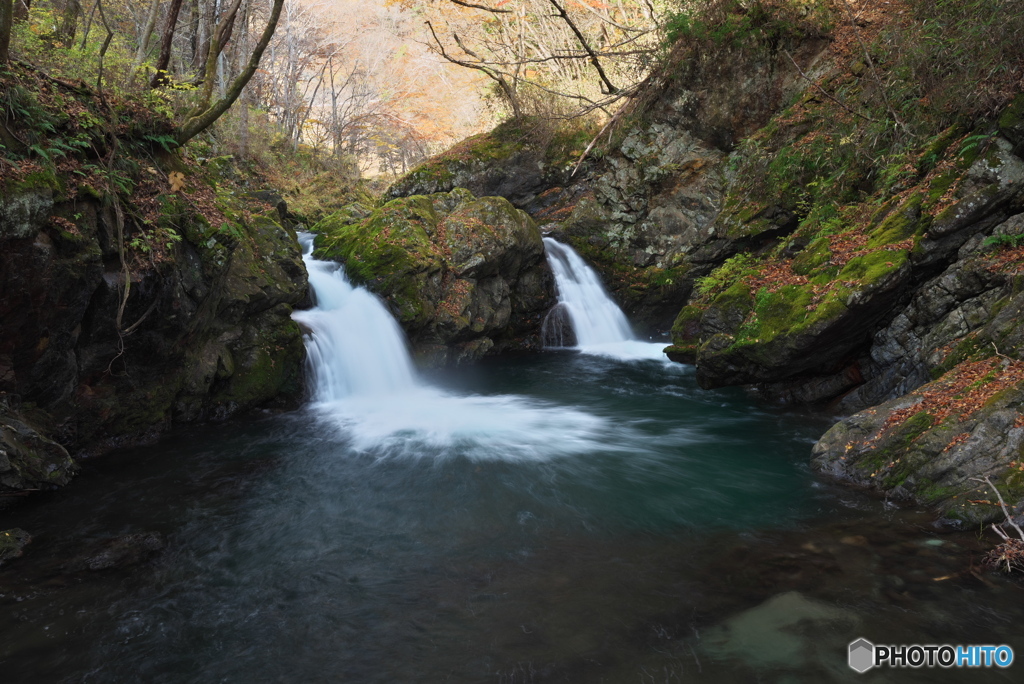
(644, 530)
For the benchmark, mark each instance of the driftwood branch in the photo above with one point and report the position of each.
(606, 127)
(1006, 509)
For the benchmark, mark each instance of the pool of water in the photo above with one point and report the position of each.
(552, 518)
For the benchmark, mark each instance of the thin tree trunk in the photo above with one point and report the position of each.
(69, 22)
(6, 22)
(166, 43)
(147, 34)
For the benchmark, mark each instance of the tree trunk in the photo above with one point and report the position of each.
(219, 36)
(147, 34)
(21, 8)
(69, 22)
(6, 21)
(206, 114)
(166, 42)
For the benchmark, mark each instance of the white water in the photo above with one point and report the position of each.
(598, 323)
(363, 382)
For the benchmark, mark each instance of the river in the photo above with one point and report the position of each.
(571, 516)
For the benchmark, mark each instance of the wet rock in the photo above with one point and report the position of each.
(900, 448)
(28, 459)
(778, 633)
(12, 543)
(117, 553)
(204, 332)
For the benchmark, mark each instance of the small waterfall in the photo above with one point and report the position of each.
(596, 319)
(597, 325)
(354, 347)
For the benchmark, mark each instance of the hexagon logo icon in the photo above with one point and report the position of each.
(862, 655)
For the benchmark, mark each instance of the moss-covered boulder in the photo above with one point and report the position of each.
(937, 444)
(463, 275)
(28, 459)
(517, 160)
(12, 542)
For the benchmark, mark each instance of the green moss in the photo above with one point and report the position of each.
(869, 268)
(1012, 117)
(393, 239)
(935, 148)
(941, 184)
(901, 224)
(778, 313)
(931, 493)
(817, 254)
(686, 327)
(43, 179)
(970, 347)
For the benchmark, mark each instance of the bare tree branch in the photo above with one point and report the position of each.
(493, 74)
(586, 46)
(480, 7)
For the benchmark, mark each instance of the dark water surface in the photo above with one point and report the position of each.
(648, 532)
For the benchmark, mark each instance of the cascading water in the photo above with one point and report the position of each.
(354, 346)
(597, 323)
(363, 380)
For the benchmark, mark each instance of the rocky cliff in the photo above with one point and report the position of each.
(130, 299)
(819, 214)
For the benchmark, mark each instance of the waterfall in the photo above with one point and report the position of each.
(354, 347)
(363, 382)
(597, 324)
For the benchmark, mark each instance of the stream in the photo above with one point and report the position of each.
(581, 515)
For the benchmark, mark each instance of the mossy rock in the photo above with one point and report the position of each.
(938, 463)
(29, 459)
(453, 268)
(1011, 123)
(12, 543)
(907, 221)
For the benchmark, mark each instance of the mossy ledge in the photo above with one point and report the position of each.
(464, 276)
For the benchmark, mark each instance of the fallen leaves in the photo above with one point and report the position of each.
(962, 391)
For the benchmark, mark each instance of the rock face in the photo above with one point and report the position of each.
(517, 160)
(645, 213)
(193, 324)
(464, 276)
(29, 460)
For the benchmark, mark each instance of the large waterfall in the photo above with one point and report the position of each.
(363, 381)
(596, 323)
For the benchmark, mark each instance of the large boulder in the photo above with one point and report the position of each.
(30, 460)
(464, 276)
(517, 160)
